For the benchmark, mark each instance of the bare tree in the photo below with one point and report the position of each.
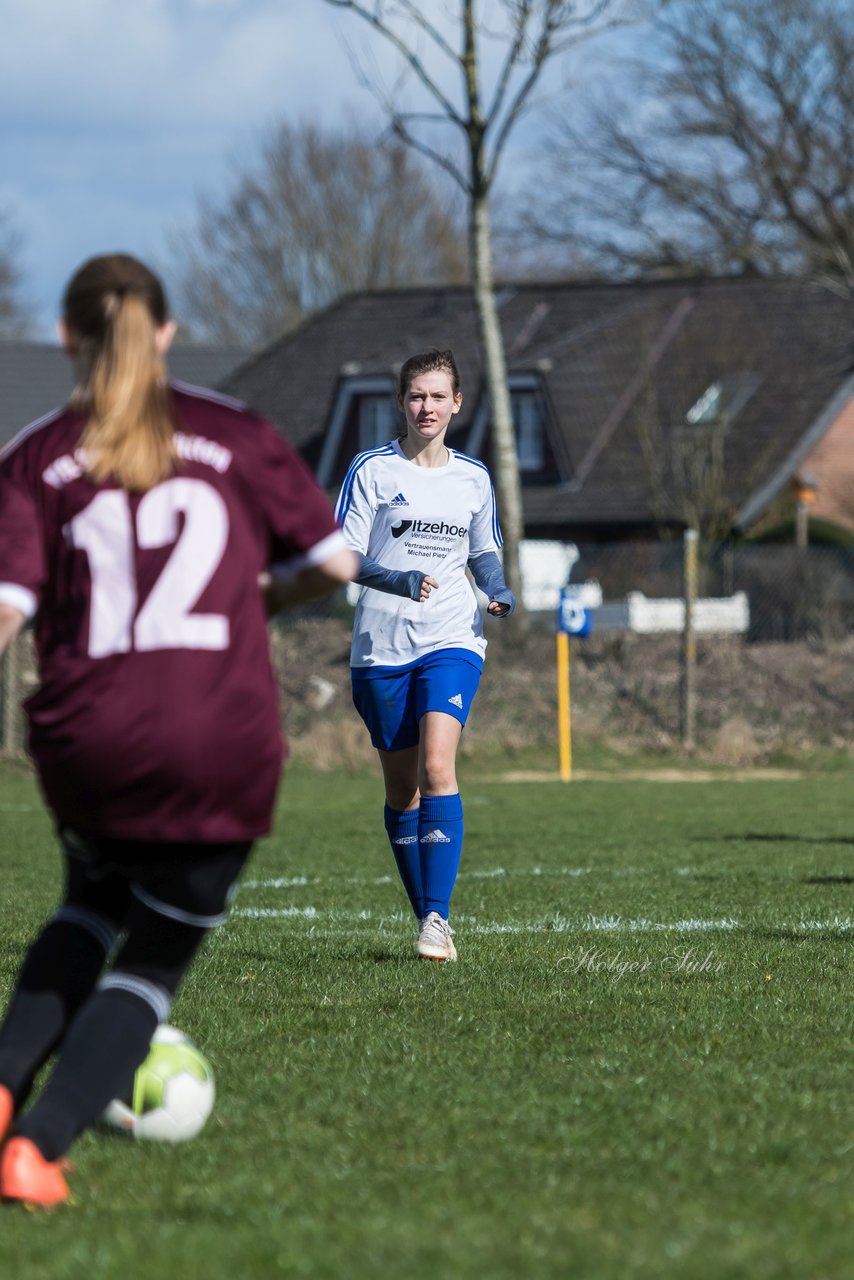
(319, 213)
(686, 472)
(703, 453)
(731, 148)
(15, 318)
(517, 39)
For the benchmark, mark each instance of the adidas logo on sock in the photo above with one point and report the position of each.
(435, 837)
(457, 700)
(399, 501)
(405, 840)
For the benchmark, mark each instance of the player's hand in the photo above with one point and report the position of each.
(429, 584)
(502, 603)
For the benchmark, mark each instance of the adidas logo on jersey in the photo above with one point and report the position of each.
(399, 501)
(406, 840)
(457, 700)
(435, 837)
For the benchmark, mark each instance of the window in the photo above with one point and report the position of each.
(707, 408)
(528, 424)
(529, 405)
(722, 400)
(364, 414)
(378, 420)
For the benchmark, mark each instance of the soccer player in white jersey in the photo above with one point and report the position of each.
(419, 513)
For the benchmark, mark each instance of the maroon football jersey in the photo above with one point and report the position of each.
(157, 713)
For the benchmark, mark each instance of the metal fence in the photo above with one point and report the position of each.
(794, 593)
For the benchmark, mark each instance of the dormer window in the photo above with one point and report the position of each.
(528, 425)
(379, 420)
(722, 400)
(529, 407)
(364, 416)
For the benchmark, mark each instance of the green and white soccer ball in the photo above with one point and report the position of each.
(173, 1092)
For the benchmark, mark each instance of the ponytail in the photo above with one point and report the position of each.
(113, 308)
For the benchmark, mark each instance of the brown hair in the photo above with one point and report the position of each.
(433, 361)
(112, 308)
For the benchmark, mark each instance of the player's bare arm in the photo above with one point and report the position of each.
(11, 621)
(283, 590)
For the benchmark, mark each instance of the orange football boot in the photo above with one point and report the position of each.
(7, 1110)
(27, 1177)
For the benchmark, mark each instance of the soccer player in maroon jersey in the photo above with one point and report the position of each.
(137, 525)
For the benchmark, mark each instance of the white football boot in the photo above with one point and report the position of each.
(434, 940)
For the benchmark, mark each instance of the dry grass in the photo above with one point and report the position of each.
(734, 743)
(752, 700)
(332, 745)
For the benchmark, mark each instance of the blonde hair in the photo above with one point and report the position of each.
(112, 308)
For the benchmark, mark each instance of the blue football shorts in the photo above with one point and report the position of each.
(392, 700)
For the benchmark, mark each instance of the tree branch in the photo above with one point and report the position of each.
(405, 52)
(400, 131)
(513, 53)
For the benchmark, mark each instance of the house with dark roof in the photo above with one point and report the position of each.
(638, 407)
(37, 377)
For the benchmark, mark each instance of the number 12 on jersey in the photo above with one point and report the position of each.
(105, 531)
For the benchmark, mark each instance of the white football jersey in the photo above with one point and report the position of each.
(427, 518)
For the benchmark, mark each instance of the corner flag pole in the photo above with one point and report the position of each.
(564, 722)
(572, 620)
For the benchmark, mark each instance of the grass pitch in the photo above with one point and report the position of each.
(640, 1067)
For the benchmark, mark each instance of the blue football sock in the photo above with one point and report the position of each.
(440, 843)
(402, 831)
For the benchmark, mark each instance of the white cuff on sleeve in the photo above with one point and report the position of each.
(19, 598)
(325, 548)
(316, 555)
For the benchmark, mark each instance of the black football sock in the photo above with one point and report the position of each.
(106, 1043)
(58, 973)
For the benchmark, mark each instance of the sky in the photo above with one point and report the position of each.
(117, 114)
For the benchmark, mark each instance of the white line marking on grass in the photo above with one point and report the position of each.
(304, 882)
(278, 913)
(845, 925)
(497, 872)
(608, 924)
(617, 924)
(312, 913)
(551, 924)
(281, 882)
(493, 873)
